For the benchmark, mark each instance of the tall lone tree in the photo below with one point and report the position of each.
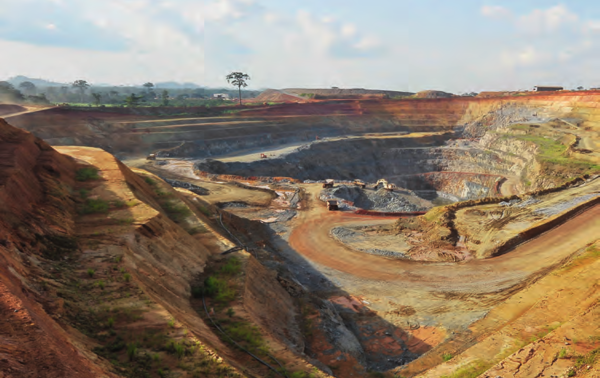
(81, 86)
(239, 80)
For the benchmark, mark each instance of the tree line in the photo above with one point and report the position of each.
(83, 93)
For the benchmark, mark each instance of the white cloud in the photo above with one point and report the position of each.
(368, 42)
(50, 26)
(495, 11)
(547, 20)
(348, 30)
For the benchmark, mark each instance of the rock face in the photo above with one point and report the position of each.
(46, 236)
(36, 225)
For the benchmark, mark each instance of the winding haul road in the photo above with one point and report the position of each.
(311, 238)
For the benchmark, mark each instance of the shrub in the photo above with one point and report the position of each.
(232, 267)
(127, 277)
(131, 351)
(86, 174)
(91, 272)
(100, 284)
(94, 206)
(230, 312)
(149, 181)
(171, 323)
(179, 350)
(562, 353)
(219, 290)
(110, 322)
(119, 203)
(447, 357)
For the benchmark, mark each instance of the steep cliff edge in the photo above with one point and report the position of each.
(97, 267)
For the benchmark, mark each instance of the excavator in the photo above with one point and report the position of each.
(360, 183)
(386, 185)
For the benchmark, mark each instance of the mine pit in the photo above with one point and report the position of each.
(461, 231)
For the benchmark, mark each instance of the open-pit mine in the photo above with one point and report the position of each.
(454, 237)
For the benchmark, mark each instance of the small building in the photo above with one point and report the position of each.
(547, 88)
(222, 96)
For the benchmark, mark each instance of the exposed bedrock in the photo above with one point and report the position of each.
(433, 166)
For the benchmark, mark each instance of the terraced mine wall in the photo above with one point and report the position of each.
(407, 162)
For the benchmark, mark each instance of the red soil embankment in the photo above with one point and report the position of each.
(10, 109)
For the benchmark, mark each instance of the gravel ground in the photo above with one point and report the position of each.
(564, 206)
(354, 238)
(377, 200)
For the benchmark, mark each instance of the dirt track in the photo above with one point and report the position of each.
(482, 276)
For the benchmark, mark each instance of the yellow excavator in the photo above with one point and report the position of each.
(385, 185)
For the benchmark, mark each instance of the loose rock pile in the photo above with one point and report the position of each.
(354, 198)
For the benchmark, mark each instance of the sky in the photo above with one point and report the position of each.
(406, 45)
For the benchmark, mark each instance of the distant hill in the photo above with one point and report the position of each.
(433, 94)
(341, 93)
(176, 85)
(273, 95)
(38, 82)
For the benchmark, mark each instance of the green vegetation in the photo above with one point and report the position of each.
(100, 284)
(127, 277)
(472, 370)
(177, 212)
(204, 210)
(242, 331)
(94, 206)
(239, 80)
(554, 155)
(91, 272)
(110, 322)
(230, 312)
(587, 359)
(562, 353)
(171, 323)
(218, 289)
(131, 351)
(307, 95)
(150, 181)
(233, 266)
(87, 174)
(118, 203)
(447, 357)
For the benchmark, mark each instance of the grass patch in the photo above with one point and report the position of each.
(94, 206)
(247, 333)
(562, 354)
(87, 174)
(177, 212)
(587, 359)
(204, 210)
(472, 370)
(554, 155)
(150, 181)
(233, 266)
(91, 272)
(219, 290)
(447, 357)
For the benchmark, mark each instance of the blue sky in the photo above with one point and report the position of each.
(456, 46)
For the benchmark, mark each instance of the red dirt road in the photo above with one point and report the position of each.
(311, 238)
